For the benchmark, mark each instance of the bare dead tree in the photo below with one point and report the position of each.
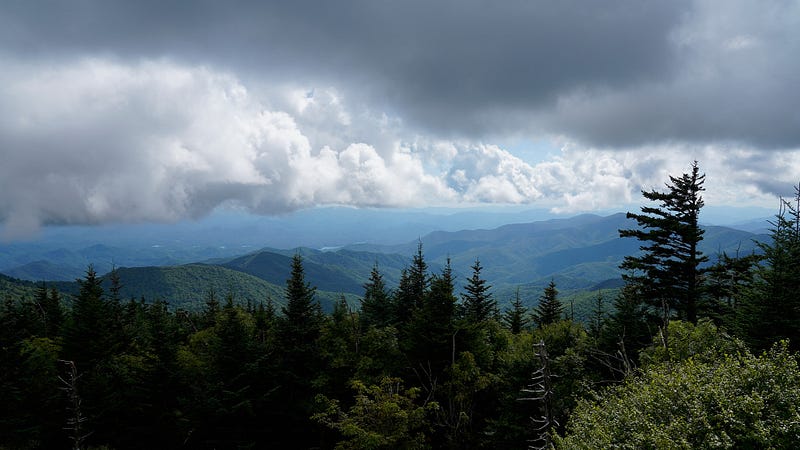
(75, 418)
(540, 390)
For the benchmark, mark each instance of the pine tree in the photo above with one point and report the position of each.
(376, 306)
(298, 333)
(211, 309)
(414, 286)
(515, 318)
(599, 317)
(549, 310)
(772, 309)
(628, 327)
(429, 342)
(668, 270)
(302, 315)
(88, 335)
(479, 305)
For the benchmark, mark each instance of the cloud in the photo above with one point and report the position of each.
(734, 82)
(448, 67)
(612, 74)
(125, 112)
(99, 141)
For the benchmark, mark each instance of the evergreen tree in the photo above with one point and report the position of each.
(515, 318)
(88, 334)
(628, 328)
(298, 333)
(48, 305)
(211, 309)
(376, 306)
(669, 270)
(410, 295)
(430, 340)
(265, 322)
(479, 306)
(599, 316)
(549, 310)
(772, 310)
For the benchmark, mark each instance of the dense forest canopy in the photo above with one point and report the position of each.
(686, 354)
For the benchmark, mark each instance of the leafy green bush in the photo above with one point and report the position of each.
(738, 401)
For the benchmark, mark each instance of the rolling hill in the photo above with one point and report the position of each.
(581, 254)
(187, 286)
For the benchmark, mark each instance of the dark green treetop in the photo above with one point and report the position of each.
(668, 269)
(549, 310)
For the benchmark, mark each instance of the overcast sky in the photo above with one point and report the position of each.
(143, 111)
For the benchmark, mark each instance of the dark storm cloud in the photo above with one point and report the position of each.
(115, 111)
(463, 66)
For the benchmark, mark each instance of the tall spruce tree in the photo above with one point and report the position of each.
(515, 318)
(429, 342)
(298, 333)
(376, 306)
(479, 306)
(549, 310)
(88, 335)
(414, 286)
(668, 270)
(302, 315)
(772, 307)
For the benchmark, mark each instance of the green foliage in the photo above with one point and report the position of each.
(738, 401)
(549, 310)
(384, 416)
(479, 306)
(703, 341)
(376, 306)
(772, 307)
(516, 318)
(668, 270)
(429, 341)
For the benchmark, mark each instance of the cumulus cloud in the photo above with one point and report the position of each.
(100, 141)
(120, 111)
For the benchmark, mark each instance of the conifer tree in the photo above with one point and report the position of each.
(376, 306)
(628, 327)
(549, 310)
(302, 315)
(298, 333)
(429, 342)
(772, 309)
(211, 309)
(479, 306)
(668, 270)
(414, 286)
(515, 318)
(88, 334)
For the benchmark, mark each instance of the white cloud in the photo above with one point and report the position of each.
(97, 140)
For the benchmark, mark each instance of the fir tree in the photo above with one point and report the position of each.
(298, 333)
(668, 270)
(88, 334)
(599, 317)
(414, 286)
(479, 305)
(302, 315)
(772, 310)
(549, 310)
(376, 306)
(515, 318)
(429, 342)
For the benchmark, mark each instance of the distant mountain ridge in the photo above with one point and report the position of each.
(579, 253)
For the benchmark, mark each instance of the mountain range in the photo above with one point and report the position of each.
(580, 254)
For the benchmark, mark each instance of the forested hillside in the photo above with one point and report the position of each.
(694, 350)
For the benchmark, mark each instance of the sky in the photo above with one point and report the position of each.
(161, 111)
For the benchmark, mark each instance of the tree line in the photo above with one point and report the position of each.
(422, 366)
